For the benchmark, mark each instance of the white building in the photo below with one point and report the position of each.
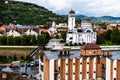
(53, 28)
(13, 33)
(83, 34)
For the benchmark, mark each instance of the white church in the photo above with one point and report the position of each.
(83, 34)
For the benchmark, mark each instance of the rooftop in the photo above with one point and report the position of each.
(72, 12)
(76, 54)
(90, 46)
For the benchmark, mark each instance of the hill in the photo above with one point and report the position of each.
(27, 14)
(101, 19)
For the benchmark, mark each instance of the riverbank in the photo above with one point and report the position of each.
(102, 47)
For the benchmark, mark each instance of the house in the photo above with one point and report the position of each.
(32, 32)
(12, 32)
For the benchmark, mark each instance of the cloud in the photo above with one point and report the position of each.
(86, 7)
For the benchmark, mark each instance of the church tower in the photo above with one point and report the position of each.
(71, 20)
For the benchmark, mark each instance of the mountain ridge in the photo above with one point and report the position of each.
(101, 19)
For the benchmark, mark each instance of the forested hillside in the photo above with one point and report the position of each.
(27, 14)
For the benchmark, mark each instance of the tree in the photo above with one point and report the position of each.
(17, 41)
(23, 40)
(63, 35)
(107, 36)
(103, 25)
(100, 38)
(15, 58)
(10, 40)
(41, 39)
(34, 40)
(115, 36)
(3, 40)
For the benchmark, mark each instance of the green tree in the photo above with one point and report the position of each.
(34, 40)
(63, 35)
(15, 58)
(100, 38)
(41, 39)
(107, 36)
(115, 36)
(10, 40)
(23, 40)
(17, 41)
(3, 40)
(103, 25)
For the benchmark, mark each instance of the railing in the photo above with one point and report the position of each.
(35, 51)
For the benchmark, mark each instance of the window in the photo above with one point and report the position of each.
(59, 68)
(73, 73)
(68, 52)
(94, 52)
(114, 68)
(81, 63)
(41, 57)
(94, 72)
(114, 78)
(73, 63)
(65, 52)
(71, 38)
(87, 72)
(60, 52)
(42, 68)
(87, 62)
(80, 72)
(66, 73)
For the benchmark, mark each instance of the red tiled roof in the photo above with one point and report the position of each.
(90, 46)
(36, 30)
(44, 30)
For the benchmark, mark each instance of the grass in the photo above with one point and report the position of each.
(13, 48)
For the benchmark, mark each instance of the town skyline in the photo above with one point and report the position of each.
(95, 8)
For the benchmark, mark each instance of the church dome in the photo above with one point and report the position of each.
(72, 12)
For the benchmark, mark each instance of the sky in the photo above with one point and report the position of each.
(95, 8)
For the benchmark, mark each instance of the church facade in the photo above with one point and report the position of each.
(83, 34)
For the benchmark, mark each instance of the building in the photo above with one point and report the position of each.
(83, 34)
(89, 63)
(53, 28)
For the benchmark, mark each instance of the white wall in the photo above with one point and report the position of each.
(51, 69)
(108, 70)
(87, 68)
(114, 66)
(30, 32)
(71, 22)
(81, 68)
(94, 68)
(13, 33)
(66, 68)
(73, 69)
(58, 67)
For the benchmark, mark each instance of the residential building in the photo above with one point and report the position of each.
(84, 34)
(89, 63)
(32, 32)
(13, 33)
